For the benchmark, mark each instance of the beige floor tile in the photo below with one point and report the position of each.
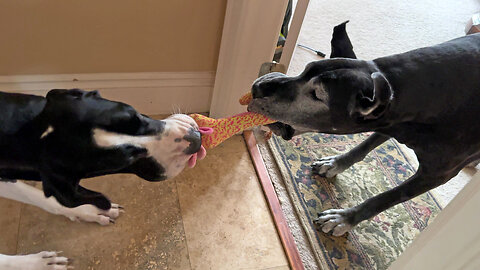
(226, 219)
(235, 144)
(9, 222)
(148, 236)
(224, 212)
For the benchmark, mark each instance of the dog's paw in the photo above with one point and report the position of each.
(473, 164)
(45, 260)
(90, 213)
(335, 221)
(328, 167)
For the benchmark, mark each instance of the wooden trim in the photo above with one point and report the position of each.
(294, 32)
(149, 92)
(452, 241)
(249, 38)
(280, 222)
(105, 80)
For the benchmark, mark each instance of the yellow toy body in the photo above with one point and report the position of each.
(225, 128)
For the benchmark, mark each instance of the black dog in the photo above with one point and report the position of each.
(75, 134)
(428, 99)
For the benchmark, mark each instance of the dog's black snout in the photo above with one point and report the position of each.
(195, 139)
(268, 84)
(256, 92)
(262, 89)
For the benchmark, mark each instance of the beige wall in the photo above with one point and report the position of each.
(90, 36)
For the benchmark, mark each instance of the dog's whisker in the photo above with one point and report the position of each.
(176, 109)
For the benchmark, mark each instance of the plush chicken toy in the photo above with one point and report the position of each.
(215, 131)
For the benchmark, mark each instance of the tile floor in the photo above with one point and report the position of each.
(211, 217)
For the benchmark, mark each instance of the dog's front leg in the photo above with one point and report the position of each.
(45, 260)
(331, 166)
(21, 192)
(340, 221)
(69, 193)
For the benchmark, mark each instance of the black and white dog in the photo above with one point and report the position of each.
(74, 134)
(428, 99)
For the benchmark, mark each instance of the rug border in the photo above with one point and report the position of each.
(296, 199)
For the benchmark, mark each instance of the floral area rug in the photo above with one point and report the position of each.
(375, 243)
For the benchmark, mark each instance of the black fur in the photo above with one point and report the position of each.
(67, 155)
(428, 99)
(341, 45)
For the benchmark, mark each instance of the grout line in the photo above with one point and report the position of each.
(22, 206)
(183, 224)
(275, 267)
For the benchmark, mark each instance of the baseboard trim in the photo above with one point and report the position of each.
(148, 92)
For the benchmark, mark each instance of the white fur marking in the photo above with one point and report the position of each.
(45, 260)
(49, 130)
(21, 192)
(335, 221)
(108, 139)
(160, 147)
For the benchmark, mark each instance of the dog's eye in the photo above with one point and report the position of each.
(75, 94)
(314, 95)
(93, 93)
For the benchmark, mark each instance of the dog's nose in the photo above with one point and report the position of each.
(256, 92)
(195, 139)
(267, 84)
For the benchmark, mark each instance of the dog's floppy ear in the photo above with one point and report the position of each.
(372, 106)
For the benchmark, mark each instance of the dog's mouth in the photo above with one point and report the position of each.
(192, 161)
(202, 152)
(281, 129)
(278, 128)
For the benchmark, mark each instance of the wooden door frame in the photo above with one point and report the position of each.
(250, 34)
(249, 39)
